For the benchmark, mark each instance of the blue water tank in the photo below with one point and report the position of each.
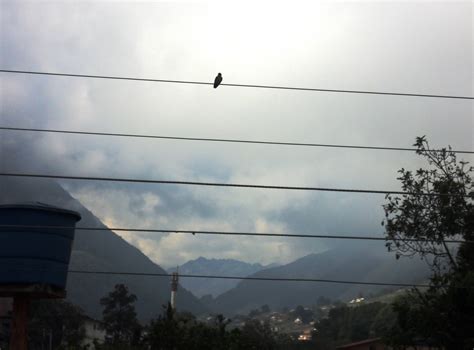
(35, 255)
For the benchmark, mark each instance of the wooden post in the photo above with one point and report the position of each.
(19, 335)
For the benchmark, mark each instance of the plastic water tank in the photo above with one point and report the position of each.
(35, 256)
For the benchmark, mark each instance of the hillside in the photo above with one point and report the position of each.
(101, 251)
(214, 287)
(350, 263)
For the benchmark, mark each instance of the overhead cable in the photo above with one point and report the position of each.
(260, 142)
(225, 233)
(235, 185)
(249, 278)
(366, 92)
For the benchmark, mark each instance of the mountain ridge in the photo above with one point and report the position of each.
(350, 263)
(213, 266)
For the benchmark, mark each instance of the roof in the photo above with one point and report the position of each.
(363, 342)
(40, 206)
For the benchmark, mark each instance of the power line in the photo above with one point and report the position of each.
(248, 278)
(224, 233)
(236, 85)
(220, 184)
(180, 138)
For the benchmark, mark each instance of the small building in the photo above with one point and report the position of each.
(94, 333)
(357, 301)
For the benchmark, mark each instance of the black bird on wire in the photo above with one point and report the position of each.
(218, 80)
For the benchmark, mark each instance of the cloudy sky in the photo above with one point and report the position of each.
(415, 47)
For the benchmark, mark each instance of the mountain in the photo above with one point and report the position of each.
(347, 263)
(225, 267)
(100, 251)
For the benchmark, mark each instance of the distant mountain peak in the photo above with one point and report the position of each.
(214, 266)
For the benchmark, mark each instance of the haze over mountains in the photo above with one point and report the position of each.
(223, 267)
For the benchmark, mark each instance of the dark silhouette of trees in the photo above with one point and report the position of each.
(182, 331)
(57, 321)
(444, 314)
(119, 317)
(346, 324)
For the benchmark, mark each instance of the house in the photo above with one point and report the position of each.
(94, 333)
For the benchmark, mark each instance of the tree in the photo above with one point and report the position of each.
(119, 317)
(259, 335)
(265, 309)
(176, 331)
(346, 324)
(438, 206)
(58, 320)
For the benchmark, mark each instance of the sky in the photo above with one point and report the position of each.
(414, 47)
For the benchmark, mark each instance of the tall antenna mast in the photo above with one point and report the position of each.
(174, 288)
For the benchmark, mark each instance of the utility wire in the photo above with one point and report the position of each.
(236, 85)
(275, 279)
(279, 279)
(220, 184)
(224, 233)
(247, 278)
(222, 140)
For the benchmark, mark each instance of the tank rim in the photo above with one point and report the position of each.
(41, 206)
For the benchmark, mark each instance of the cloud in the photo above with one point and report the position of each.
(372, 46)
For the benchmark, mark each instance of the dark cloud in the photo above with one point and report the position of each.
(327, 45)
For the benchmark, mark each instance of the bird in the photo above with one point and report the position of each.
(218, 80)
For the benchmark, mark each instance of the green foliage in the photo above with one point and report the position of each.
(444, 213)
(442, 316)
(119, 317)
(58, 319)
(182, 331)
(437, 317)
(259, 335)
(346, 324)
